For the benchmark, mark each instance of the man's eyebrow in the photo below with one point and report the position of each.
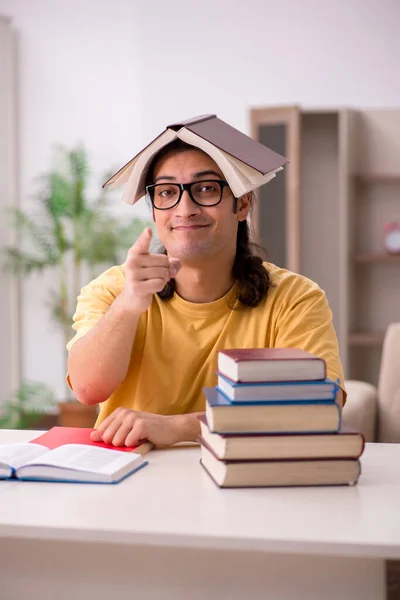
(208, 172)
(195, 175)
(168, 177)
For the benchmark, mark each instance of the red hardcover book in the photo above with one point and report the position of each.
(270, 364)
(60, 436)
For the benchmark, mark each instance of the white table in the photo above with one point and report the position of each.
(168, 533)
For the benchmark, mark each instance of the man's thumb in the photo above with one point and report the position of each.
(142, 244)
(95, 436)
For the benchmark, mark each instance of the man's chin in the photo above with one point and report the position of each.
(190, 252)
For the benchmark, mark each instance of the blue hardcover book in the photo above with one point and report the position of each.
(286, 391)
(73, 463)
(223, 416)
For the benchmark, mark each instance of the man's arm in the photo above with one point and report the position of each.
(125, 427)
(99, 361)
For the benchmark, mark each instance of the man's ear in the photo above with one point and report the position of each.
(244, 206)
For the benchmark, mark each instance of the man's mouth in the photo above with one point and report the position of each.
(188, 227)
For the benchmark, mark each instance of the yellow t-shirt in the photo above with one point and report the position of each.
(174, 354)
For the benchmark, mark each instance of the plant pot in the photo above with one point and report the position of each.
(75, 414)
(45, 422)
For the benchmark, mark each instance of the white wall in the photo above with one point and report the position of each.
(113, 73)
(9, 306)
(233, 55)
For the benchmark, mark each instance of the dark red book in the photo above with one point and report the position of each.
(270, 364)
(60, 436)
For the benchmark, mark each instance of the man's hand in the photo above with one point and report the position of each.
(125, 427)
(146, 274)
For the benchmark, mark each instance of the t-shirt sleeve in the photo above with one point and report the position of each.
(94, 301)
(305, 322)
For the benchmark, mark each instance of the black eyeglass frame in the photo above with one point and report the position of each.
(188, 188)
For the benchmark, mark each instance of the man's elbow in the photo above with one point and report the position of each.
(87, 394)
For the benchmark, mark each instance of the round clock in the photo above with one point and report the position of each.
(391, 237)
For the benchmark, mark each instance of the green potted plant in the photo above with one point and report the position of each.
(75, 239)
(27, 406)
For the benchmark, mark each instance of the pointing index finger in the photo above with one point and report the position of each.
(142, 244)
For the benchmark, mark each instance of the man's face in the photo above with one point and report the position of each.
(189, 231)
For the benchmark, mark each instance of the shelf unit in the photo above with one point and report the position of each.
(324, 216)
(374, 287)
(366, 338)
(388, 178)
(376, 257)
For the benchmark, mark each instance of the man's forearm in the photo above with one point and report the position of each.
(98, 363)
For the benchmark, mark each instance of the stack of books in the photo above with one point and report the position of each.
(273, 420)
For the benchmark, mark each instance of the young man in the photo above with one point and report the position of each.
(148, 332)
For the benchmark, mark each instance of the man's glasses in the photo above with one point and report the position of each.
(205, 193)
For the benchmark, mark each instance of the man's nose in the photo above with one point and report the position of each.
(186, 206)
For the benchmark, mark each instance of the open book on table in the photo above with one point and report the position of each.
(68, 463)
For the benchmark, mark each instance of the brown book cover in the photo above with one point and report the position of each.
(245, 163)
(345, 443)
(279, 473)
(234, 142)
(270, 364)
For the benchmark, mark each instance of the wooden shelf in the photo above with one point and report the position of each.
(377, 177)
(376, 257)
(366, 339)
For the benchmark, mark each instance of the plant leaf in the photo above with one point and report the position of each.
(21, 263)
(27, 404)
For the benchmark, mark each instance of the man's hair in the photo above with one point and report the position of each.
(248, 269)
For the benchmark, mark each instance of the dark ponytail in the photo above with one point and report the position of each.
(248, 269)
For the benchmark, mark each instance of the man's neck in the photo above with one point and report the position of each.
(204, 284)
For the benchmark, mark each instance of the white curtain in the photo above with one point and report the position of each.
(9, 296)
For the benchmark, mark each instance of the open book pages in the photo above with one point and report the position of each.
(71, 462)
(13, 456)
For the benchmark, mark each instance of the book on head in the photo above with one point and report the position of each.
(245, 163)
(270, 364)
